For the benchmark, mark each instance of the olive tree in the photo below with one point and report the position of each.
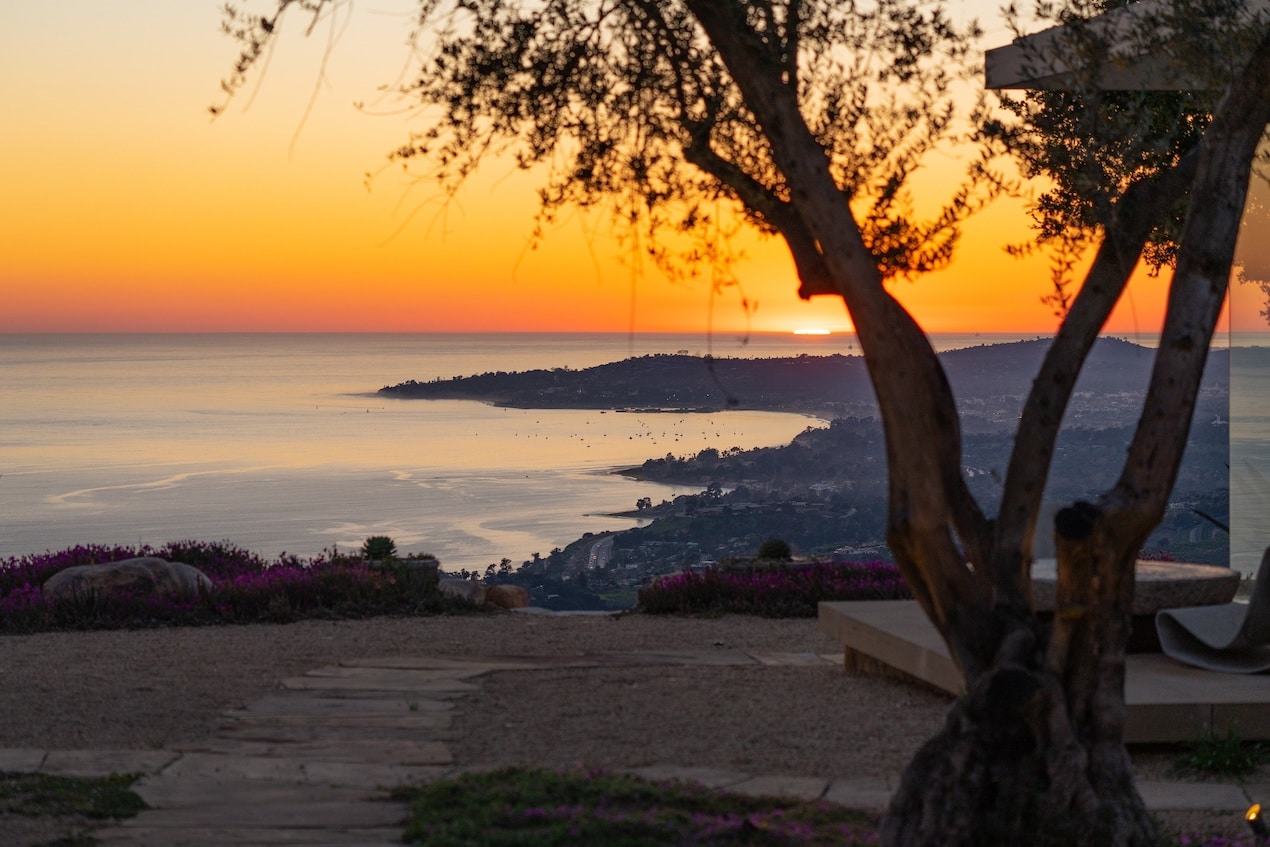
(807, 120)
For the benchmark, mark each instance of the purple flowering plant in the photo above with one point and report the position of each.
(246, 588)
(774, 591)
(536, 807)
(541, 808)
(781, 589)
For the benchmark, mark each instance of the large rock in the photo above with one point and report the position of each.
(462, 589)
(145, 575)
(507, 597)
(484, 596)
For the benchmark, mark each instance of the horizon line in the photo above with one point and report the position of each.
(799, 334)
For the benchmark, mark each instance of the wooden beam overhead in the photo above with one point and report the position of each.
(1050, 59)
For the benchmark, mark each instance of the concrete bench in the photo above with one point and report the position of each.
(1157, 586)
(1166, 701)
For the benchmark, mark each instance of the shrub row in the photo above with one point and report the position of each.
(247, 589)
(773, 591)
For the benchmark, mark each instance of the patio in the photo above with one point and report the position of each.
(1167, 701)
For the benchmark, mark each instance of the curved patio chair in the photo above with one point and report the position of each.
(1230, 638)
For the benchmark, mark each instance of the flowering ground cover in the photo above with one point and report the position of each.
(540, 808)
(1241, 840)
(774, 591)
(529, 807)
(246, 589)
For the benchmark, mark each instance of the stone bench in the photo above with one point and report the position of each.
(1157, 585)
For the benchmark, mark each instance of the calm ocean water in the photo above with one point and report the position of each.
(279, 443)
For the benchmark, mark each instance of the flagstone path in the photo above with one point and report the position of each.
(311, 765)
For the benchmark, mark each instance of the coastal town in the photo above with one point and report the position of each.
(824, 494)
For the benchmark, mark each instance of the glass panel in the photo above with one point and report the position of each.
(1250, 385)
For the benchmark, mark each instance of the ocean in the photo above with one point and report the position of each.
(279, 443)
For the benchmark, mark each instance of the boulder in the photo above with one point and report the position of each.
(145, 575)
(462, 589)
(507, 597)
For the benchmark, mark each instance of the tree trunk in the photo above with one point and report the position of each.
(1034, 746)
(1033, 752)
(1008, 763)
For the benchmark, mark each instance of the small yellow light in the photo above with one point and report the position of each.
(1255, 822)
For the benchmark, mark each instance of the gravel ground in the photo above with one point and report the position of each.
(145, 689)
(802, 721)
(150, 688)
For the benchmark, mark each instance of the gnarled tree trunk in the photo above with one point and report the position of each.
(1033, 753)
(1035, 747)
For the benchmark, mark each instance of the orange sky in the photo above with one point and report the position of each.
(127, 209)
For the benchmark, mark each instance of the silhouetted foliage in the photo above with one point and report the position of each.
(776, 549)
(806, 119)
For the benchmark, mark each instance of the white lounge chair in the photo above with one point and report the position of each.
(1230, 637)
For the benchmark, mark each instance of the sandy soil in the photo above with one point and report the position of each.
(804, 721)
(148, 688)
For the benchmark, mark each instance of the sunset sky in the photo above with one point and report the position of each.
(126, 208)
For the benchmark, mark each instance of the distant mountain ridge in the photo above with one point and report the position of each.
(989, 382)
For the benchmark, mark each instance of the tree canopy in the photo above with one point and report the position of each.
(808, 119)
(627, 108)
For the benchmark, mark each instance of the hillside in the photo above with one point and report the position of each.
(825, 492)
(989, 382)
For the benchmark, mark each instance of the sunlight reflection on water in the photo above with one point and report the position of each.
(280, 443)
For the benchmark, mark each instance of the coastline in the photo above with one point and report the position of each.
(271, 442)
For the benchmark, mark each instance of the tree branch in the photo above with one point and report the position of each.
(1135, 215)
(808, 260)
(928, 494)
(1095, 602)
(1209, 234)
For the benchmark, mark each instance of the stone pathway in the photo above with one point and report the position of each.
(311, 765)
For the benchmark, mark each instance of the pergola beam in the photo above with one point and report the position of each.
(1045, 60)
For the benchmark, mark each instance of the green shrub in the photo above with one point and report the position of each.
(775, 549)
(41, 795)
(377, 548)
(539, 808)
(1225, 755)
